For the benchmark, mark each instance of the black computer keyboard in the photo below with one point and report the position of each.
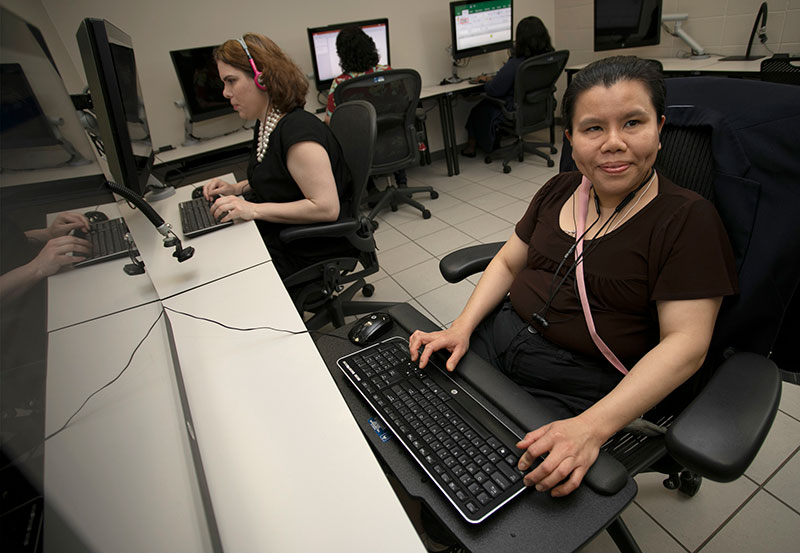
(196, 218)
(108, 241)
(465, 449)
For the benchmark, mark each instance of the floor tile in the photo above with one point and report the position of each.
(501, 235)
(764, 525)
(418, 229)
(386, 289)
(482, 225)
(467, 245)
(790, 400)
(418, 306)
(648, 535)
(512, 212)
(387, 237)
(421, 278)
(524, 190)
(501, 181)
(470, 192)
(786, 484)
(459, 214)
(691, 519)
(493, 201)
(444, 201)
(782, 440)
(402, 257)
(447, 239)
(404, 214)
(447, 302)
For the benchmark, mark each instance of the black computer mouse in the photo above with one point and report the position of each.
(95, 216)
(197, 193)
(368, 329)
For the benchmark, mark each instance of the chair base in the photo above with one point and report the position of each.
(342, 305)
(519, 148)
(393, 196)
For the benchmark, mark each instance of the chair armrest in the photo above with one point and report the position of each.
(721, 431)
(337, 229)
(462, 263)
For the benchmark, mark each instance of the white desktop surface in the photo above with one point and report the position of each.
(217, 254)
(120, 476)
(287, 467)
(709, 64)
(74, 295)
(432, 91)
(242, 136)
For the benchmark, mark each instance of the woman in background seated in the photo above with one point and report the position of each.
(532, 39)
(657, 262)
(297, 173)
(357, 56)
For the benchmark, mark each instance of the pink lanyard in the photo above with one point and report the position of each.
(583, 210)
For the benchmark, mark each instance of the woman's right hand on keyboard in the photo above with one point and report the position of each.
(454, 339)
(218, 187)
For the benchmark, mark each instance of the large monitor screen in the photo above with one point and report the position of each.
(23, 124)
(626, 23)
(322, 41)
(200, 82)
(480, 27)
(110, 67)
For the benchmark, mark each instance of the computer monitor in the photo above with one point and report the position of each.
(322, 41)
(110, 67)
(200, 83)
(480, 27)
(626, 23)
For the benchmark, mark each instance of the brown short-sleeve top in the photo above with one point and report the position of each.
(675, 248)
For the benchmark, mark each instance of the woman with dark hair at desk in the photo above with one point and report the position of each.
(656, 259)
(297, 173)
(532, 40)
(358, 56)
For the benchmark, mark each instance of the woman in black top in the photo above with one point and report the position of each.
(532, 40)
(297, 173)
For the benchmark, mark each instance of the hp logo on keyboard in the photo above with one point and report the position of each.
(453, 391)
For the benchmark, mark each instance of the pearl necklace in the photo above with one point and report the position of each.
(267, 126)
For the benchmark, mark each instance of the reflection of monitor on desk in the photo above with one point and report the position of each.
(479, 28)
(322, 41)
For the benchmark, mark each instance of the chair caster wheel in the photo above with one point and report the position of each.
(506, 169)
(550, 162)
(426, 214)
(690, 483)
(374, 225)
(368, 290)
(672, 482)
(520, 158)
(434, 195)
(553, 150)
(487, 160)
(394, 208)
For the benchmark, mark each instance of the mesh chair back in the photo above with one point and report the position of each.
(780, 69)
(686, 158)
(534, 88)
(354, 126)
(394, 95)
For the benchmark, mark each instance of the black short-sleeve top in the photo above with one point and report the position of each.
(675, 248)
(271, 181)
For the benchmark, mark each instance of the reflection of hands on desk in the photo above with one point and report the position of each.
(571, 446)
(62, 225)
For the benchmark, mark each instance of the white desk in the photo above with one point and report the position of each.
(119, 478)
(686, 67)
(284, 464)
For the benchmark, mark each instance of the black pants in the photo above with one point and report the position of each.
(566, 382)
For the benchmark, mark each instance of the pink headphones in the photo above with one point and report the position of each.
(252, 64)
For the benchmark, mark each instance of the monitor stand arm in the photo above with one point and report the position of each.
(698, 52)
(454, 78)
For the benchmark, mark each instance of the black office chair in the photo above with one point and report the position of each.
(742, 160)
(534, 108)
(395, 95)
(320, 288)
(781, 68)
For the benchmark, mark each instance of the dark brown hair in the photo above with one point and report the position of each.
(285, 83)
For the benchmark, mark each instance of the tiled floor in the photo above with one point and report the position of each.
(758, 512)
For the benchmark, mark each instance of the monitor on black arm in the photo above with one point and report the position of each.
(322, 42)
(479, 27)
(200, 83)
(626, 23)
(110, 67)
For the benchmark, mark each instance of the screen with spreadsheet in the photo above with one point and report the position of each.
(322, 41)
(480, 27)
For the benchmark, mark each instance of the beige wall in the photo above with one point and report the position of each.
(720, 26)
(419, 36)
